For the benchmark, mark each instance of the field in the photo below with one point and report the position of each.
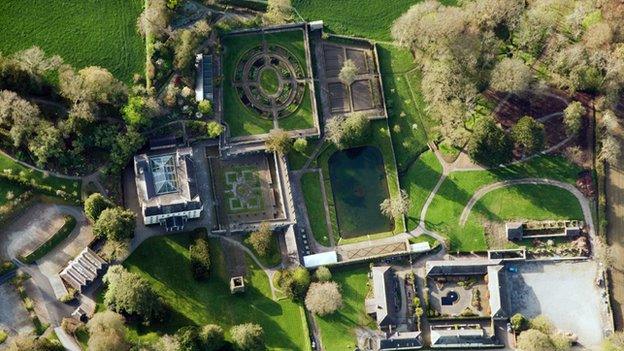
(70, 186)
(311, 185)
(337, 330)
(370, 19)
(446, 207)
(408, 121)
(241, 119)
(84, 33)
(164, 262)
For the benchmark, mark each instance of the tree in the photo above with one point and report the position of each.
(518, 322)
(278, 12)
(260, 240)
(560, 342)
(34, 62)
(529, 134)
(300, 282)
(154, 19)
(126, 145)
(323, 298)
(200, 259)
(205, 107)
(185, 45)
(543, 324)
(214, 129)
(19, 116)
(130, 294)
(396, 207)
(489, 144)
(511, 75)
(107, 332)
(94, 205)
(300, 145)
(610, 150)
(140, 110)
(167, 343)
(278, 141)
(212, 337)
(47, 144)
(615, 342)
(573, 117)
(323, 274)
(91, 85)
(348, 72)
(115, 223)
(534, 340)
(247, 337)
(345, 131)
(189, 339)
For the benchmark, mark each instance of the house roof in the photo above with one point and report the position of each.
(496, 290)
(460, 337)
(203, 83)
(380, 304)
(401, 341)
(320, 259)
(166, 182)
(463, 267)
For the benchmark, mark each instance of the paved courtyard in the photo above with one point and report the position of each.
(565, 292)
(14, 318)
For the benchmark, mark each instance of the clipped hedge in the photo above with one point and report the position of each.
(45, 189)
(257, 5)
(57, 238)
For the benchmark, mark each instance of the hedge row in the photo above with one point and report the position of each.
(257, 5)
(57, 238)
(45, 189)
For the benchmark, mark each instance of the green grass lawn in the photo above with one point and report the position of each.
(296, 159)
(448, 204)
(311, 186)
(164, 262)
(241, 120)
(418, 181)
(337, 330)
(269, 80)
(68, 185)
(407, 118)
(370, 19)
(84, 33)
(273, 257)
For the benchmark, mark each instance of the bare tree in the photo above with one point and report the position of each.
(396, 207)
(35, 63)
(154, 19)
(19, 116)
(511, 75)
(278, 11)
(348, 72)
(278, 141)
(572, 117)
(323, 298)
(610, 150)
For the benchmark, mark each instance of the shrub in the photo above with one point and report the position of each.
(205, 107)
(323, 274)
(189, 339)
(529, 134)
(300, 145)
(534, 340)
(212, 337)
(214, 129)
(301, 282)
(200, 259)
(572, 117)
(519, 322)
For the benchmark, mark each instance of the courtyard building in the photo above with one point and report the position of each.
(166, 187)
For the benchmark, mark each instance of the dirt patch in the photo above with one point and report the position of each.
(509, 109)
(30, 229)
(615, 237)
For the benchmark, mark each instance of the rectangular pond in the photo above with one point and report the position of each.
(359, 185)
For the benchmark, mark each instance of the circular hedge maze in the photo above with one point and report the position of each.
(270, 81)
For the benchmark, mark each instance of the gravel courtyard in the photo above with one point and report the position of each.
(566, 293)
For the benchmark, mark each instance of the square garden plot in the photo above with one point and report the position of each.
(246, 189)
(267, 82)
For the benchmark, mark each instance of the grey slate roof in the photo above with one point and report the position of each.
(380, 304)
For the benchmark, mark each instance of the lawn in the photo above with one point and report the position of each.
(311, 186)
(407, 117)
(449, 202)
(337, 330)
(296, 159)
(68, 185)
(84, 33)
(164, 262)
(240, 119)
(418, 181)
(370, 19)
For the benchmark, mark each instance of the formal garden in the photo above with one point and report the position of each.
(266, 82)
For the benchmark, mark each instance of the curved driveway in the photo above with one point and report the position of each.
(535, 181)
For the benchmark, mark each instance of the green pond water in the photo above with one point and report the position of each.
(359, 185)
